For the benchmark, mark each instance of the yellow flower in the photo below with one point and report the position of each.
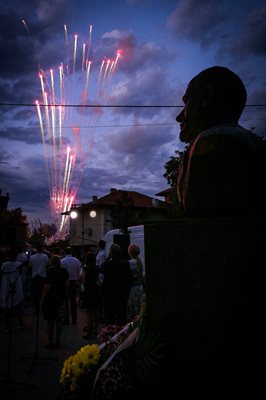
(77, 365)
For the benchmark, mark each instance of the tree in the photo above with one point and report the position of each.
(172, 168)
(13, 215)
(13, 226)
(171, 173)
(41, 232)
(123, 213)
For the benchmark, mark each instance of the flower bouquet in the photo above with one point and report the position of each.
(125, 362)
(80, 370)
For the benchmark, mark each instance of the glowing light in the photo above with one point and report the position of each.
(73, 214)
(93, 214)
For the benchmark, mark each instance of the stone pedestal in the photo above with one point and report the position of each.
(206, 292)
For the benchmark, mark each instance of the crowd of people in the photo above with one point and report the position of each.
(107, 287)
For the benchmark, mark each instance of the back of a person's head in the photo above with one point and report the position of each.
(133, 250)
(68, 251)
(39, 248)
(57, 251)
(229, 94)
(101, 244)
(90, 258)
(55, 261)
(115, 251)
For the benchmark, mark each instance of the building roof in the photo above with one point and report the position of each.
(140, 200)
(165, 192)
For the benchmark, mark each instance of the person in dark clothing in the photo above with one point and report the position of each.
(116, 287)
(91, 294)
(53, 300)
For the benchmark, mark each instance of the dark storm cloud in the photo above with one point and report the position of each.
(26, 185)
(198, 20)
(204, 20)
(24, 114)
(20, 90)
(26, 135)
(253, 38)
(24, 51)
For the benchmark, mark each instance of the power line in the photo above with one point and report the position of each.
(105, 105)
(88, 105)
(107, 126)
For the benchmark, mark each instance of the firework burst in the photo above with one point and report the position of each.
(59, 90)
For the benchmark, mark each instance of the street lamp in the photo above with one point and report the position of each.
(74, 212)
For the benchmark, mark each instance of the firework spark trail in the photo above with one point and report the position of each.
(42, 86)
(26, 26)
(83, 64)
(60, 127)
(87, 80)
(66, 169)
(118, 55)
(69, 172)
(40, 121)
(67, 43)
(75, 54)
(67, 206)
(52, 85)
(112, 70)
(104, 78)
(52, 108)
(44, 144)
(44, 96)
(107, 73)
(61, 72)
(89, 43)
(63, 182)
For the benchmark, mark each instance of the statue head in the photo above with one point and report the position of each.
(213, 97)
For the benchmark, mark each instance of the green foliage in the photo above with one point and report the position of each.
(144, 360)
(123, 213)
(171, 173)
(172, 167)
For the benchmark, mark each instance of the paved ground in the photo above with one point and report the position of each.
(27, 369)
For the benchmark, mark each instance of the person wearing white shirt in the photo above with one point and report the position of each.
(11, 290)
(73, 266)
(38, 264)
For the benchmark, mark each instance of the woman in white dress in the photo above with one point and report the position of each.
(136, 295)
(11, 292)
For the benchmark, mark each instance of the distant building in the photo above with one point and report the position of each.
(116, 209)
(167, 194)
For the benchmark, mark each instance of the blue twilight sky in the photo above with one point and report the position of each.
(162, 45)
